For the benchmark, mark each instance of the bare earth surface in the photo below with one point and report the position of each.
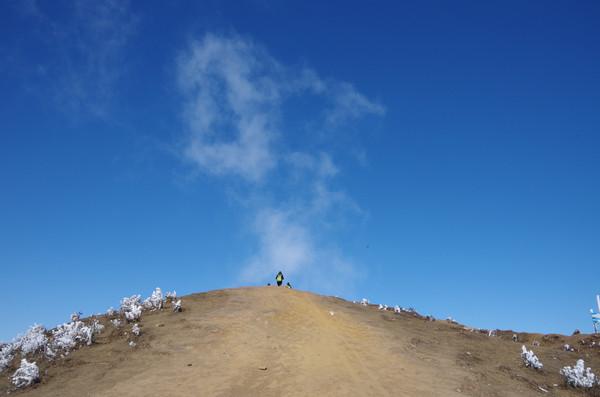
(279, 342)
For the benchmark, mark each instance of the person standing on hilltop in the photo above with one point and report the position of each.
(279, 278)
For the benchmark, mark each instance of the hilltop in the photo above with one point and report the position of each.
(269, 341)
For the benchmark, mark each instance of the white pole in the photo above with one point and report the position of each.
(598, 302)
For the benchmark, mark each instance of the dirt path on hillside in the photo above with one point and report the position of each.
(280, 342)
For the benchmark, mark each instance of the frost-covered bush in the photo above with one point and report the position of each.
(7, 353)
(397, 309)
(364, 302)
(67, 336)
(176, 306)
(136, 330)
(154, 301)
(111, 312)
(568, 348)
(171, 295)
(131, 307)
(26, 374)
(530, 359)
(383, 307)
(76, 316)
(96, 328)
(116, 322)
(33, 341)
(579, 376)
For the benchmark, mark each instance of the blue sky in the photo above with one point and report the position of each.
(439, 155)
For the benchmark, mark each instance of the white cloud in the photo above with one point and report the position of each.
(287, 244)
(321, 165)
(349, 104)
(234, 93)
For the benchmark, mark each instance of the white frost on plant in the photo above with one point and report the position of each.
(397, 309)
(383, 307)
(155, 301)
(33, 341)
(68, 335)
(132, 344)
(7, 353)
(136, 330)
(131, 307)
(26, 374)
(176, 306)
(171, 295)
(76, 316)
(568, 348)
(96, 328)
(579, 376)
(111, 312)
(116, 323)
(364, 302)
(530, 359)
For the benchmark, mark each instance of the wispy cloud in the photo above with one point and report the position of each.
(94, 63)
(287, 241)
(84, 52)
(235, 95)
(349, 104)
(233, 91)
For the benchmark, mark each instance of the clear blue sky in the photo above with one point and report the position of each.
(440, 155)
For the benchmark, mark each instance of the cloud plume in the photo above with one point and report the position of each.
(235, 95)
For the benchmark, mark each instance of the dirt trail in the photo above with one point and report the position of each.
(279, 342)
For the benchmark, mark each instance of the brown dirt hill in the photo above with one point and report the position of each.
(279, 342)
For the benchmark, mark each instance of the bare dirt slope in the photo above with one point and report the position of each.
(279, 342)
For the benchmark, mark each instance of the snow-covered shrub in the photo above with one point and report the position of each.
(176, 306)
(26, 374)
(134, 314)
(132, 344)
(76, 316)
(116, 322)
(96, 328)
(131, 307)
(111, 312)
(155, 301)
(530, 359)
(383, 307)
(7, 353)
(397, 309)
(67, 336)
(136, 330)
(364, 302)
(33, 341)
(171, 295)
(568, 348)
(579, 376)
